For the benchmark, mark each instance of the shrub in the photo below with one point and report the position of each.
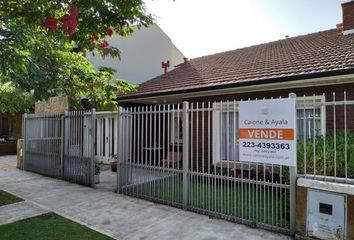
(326, 153)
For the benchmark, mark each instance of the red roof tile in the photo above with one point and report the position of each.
(313, 53)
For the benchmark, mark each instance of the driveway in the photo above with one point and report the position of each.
(116, 215)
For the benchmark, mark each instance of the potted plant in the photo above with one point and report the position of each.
(113, 163)
(98, 166)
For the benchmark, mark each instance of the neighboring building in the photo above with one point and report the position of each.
(141, 55)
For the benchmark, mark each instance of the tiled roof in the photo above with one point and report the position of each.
(320, 52)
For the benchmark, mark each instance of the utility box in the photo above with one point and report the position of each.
(326, 215)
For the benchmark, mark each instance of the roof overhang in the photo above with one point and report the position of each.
(289, 82)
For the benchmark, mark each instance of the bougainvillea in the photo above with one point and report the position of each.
(68, 21)
(69, 24)
(43, 41)
(51, 23)
(109, 32)
(104, 44)
(74, 11)
(94, 38)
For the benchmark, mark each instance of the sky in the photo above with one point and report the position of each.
(204, 27)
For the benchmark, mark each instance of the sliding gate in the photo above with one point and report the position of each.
(43, 144)
(61, 145)
(187, 156)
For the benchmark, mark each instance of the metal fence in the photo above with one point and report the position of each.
(182, 156)
(60, 146)
(325, 149)
(187, 156)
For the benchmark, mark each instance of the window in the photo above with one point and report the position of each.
(225, 132)
(176, 128)
(310, 113)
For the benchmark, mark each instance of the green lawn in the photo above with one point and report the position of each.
(7, 198)
(48, 227)
(259, 204)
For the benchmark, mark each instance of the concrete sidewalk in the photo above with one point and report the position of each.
(117, 215)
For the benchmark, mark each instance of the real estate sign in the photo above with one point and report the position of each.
(267, 131)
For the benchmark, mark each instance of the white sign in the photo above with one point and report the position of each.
(267, 131)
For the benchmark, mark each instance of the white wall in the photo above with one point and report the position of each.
(141, 55)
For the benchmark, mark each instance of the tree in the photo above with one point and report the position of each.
(13, 100)
(42, 45)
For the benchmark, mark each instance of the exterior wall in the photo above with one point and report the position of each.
(327, 90)
(4, 124)
(320, 90)
(53, 105)
(301, 211)
(10, 125)
(141, 55)
(348, 16)
(16, 125)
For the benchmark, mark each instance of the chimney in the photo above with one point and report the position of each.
(348, 17)
(165, 65)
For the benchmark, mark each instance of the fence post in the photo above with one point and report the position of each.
(62, 145)
(93, 140)
(119, 154)
(292, 176)
(185, 125)
(24, 140)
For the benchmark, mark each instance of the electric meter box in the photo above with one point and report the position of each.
(326, 215)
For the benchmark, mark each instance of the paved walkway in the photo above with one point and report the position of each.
(117, 215)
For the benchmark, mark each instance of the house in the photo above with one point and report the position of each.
(188, 119)
(141, 55)
(316, 65)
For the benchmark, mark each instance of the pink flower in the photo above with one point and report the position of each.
(104, 44)
(69, 24)
(74, 11)
(109, 32)
(94, 38)
(50, 23)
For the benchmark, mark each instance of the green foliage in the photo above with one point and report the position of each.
(98, 167)
(324, 154)
(13, 100)
(49, 63)
(48, 226)
(94, 18)
(7, 198)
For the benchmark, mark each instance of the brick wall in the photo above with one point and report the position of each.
(301, 211)
(205, 137)
(348, 16)
(327, 90)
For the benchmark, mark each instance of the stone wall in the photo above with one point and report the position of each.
(58, 104)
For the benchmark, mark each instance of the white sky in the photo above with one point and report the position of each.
(203, 27)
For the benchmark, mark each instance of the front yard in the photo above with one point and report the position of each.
(7, 198)
(48, 227)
